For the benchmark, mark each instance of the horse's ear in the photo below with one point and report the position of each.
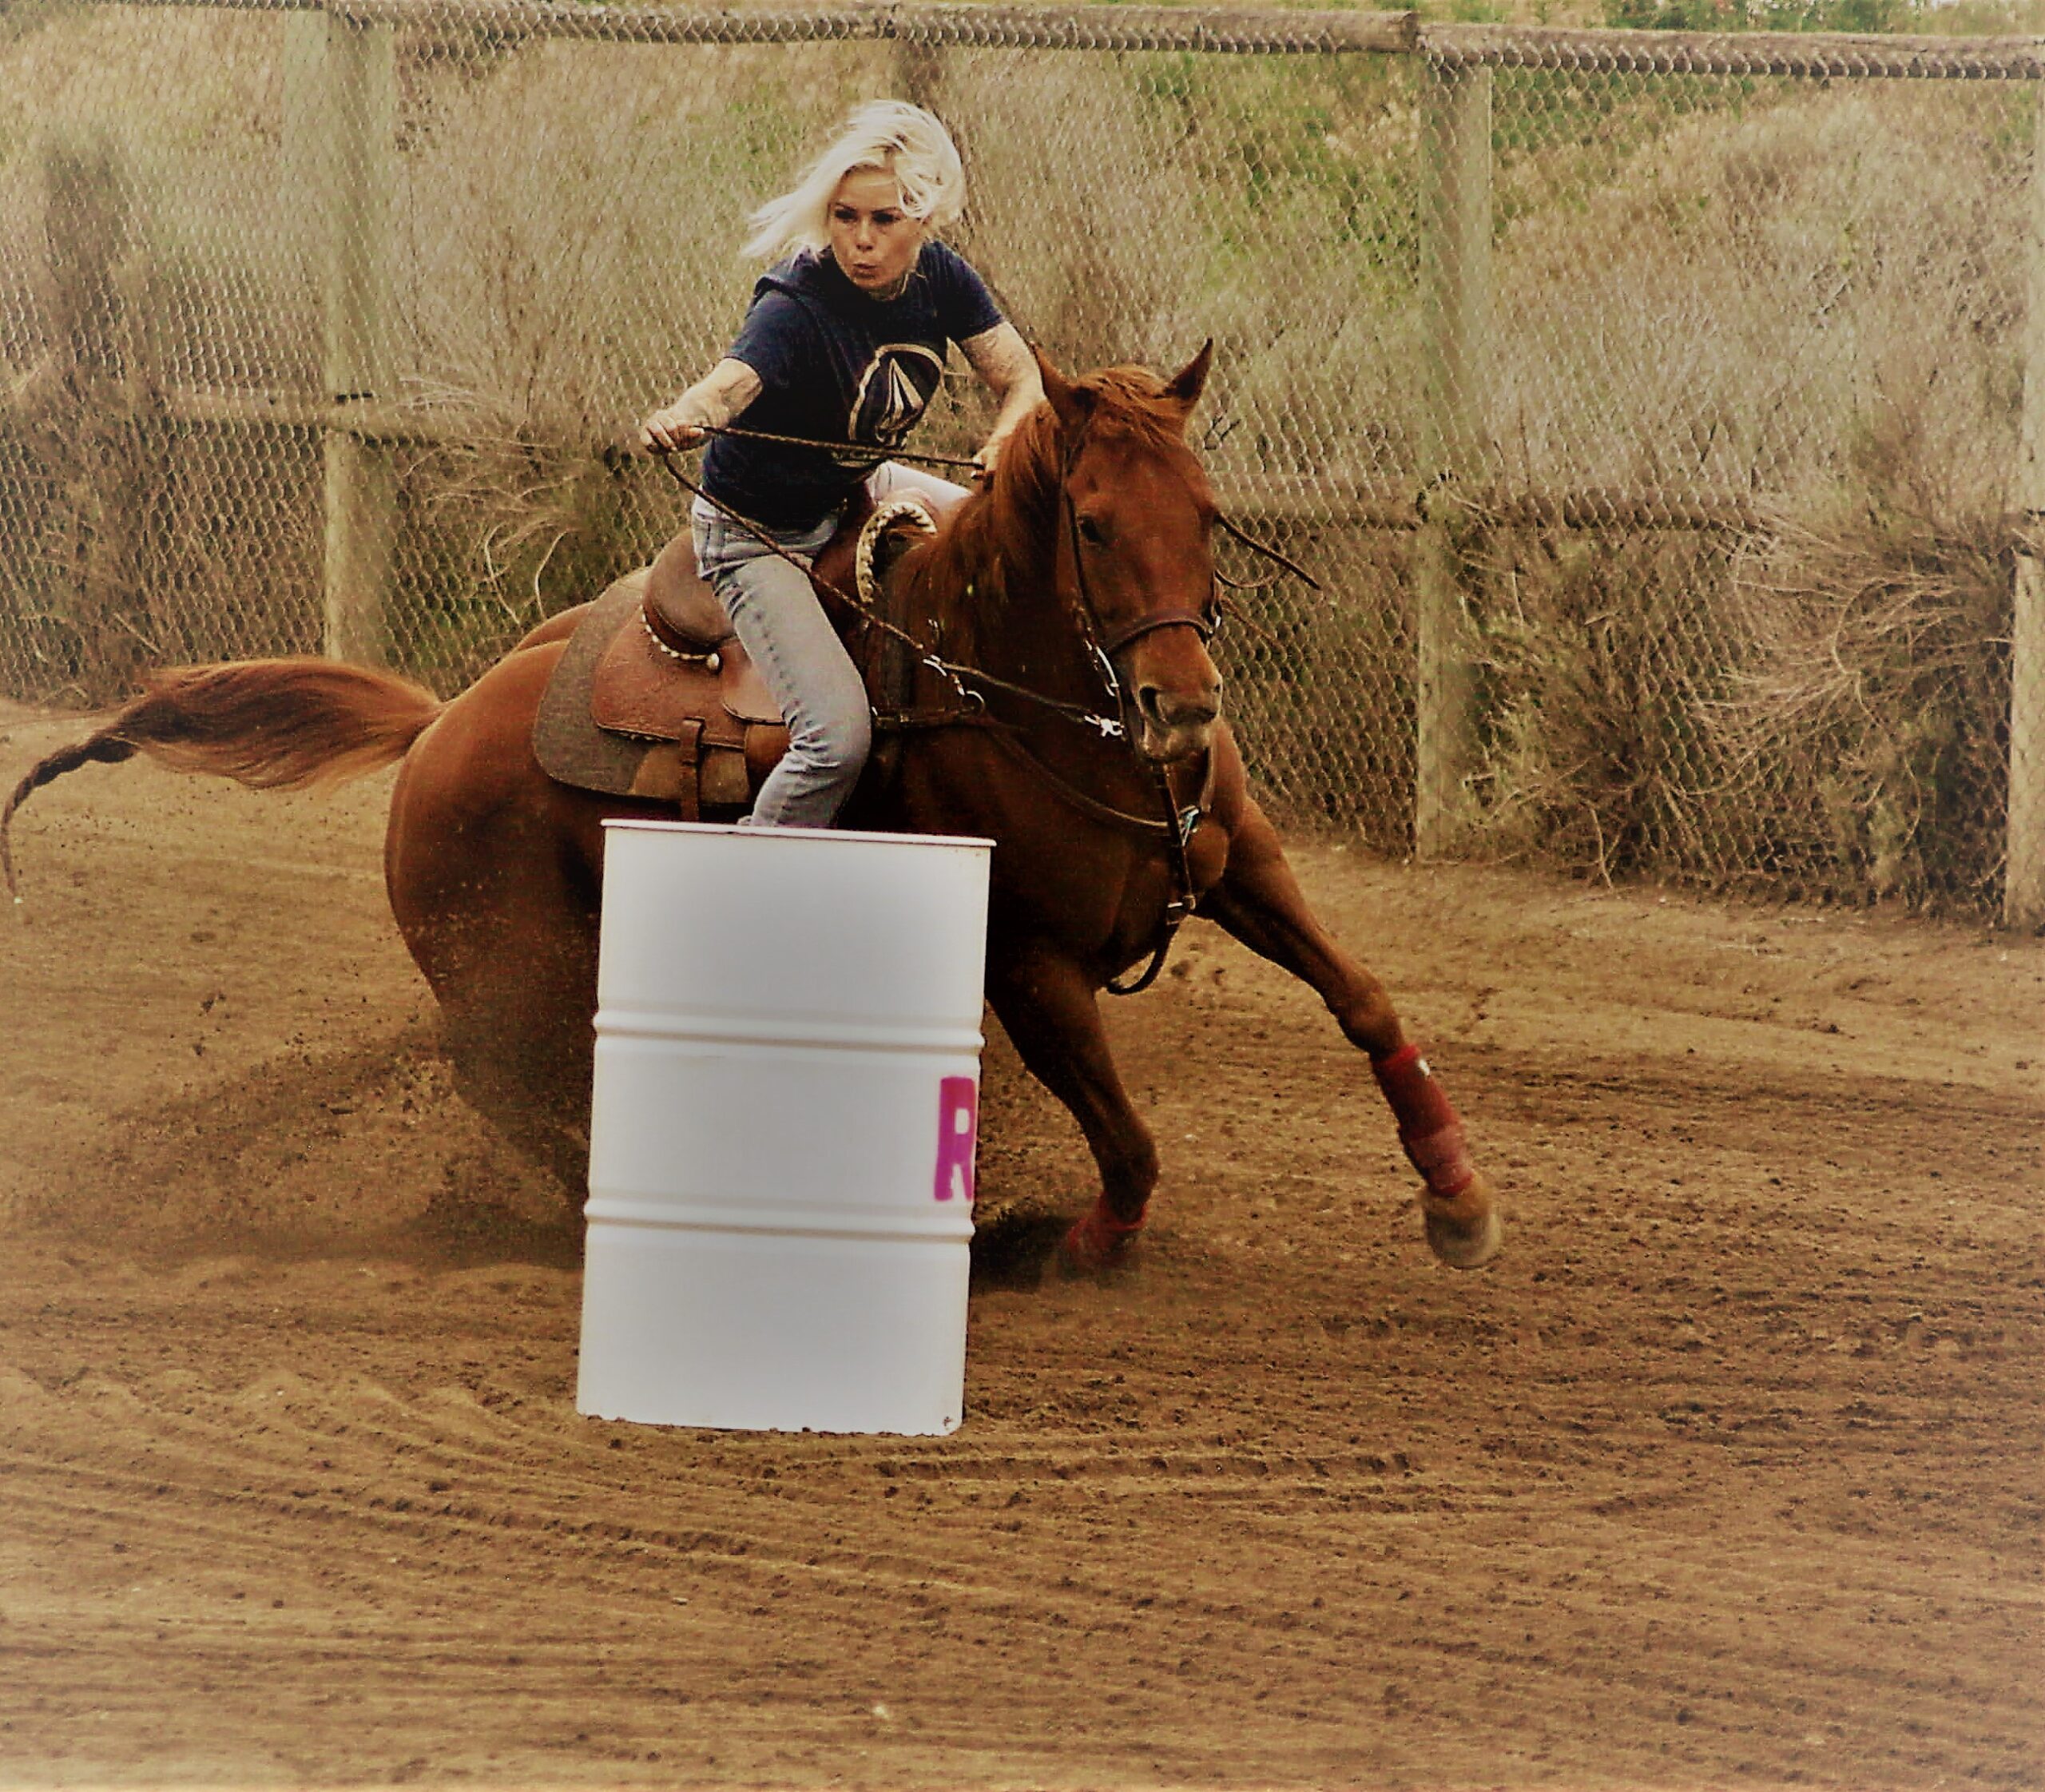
(1186, 386)
(1072, 404)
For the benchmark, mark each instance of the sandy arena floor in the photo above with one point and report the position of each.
(1727, 1473)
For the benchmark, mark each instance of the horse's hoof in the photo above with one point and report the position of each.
(1467, 1232)
(1091, 1248)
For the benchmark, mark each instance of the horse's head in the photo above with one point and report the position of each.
(1135, 551)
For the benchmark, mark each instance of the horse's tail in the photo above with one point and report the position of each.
(274, 724)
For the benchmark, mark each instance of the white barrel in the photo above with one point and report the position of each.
(782, 1130)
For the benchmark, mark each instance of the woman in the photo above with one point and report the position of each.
(845, 341)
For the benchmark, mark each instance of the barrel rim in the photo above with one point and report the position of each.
(641, 824)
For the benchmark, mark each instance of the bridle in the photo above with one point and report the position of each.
(1205, 622)
(1179, 825)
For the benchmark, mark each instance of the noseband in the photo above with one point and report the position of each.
(1204, 622)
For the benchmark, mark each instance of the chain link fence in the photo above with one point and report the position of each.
(1652, 406)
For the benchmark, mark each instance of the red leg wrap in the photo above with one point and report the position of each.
(1428, 1126)
(1099, 1238)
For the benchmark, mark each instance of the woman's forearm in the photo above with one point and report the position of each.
(720, 395)
(1021, 398)
(1006, 367)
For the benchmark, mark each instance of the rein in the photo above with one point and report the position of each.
(1269, 552)
(811, 442)
(961, 463)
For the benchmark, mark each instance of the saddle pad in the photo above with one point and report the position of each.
(569, 746)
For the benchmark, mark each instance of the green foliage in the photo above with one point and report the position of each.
(1865, 16)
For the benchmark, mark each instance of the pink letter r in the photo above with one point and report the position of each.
(958, 1126)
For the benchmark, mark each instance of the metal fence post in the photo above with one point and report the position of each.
(1455, 304)
(341, 121)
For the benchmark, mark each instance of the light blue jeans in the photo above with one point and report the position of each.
(778, 620)
(783, 628)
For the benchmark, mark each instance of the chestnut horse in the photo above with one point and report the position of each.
(1080, 576)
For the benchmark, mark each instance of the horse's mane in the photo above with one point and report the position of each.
(1004, 529)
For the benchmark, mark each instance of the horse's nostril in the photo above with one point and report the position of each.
(1162, 709)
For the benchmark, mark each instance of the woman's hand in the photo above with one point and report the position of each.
(720, 395)
(670, 432)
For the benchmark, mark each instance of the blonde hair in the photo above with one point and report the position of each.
(906, 142)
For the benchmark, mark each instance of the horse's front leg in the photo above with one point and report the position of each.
(1045, 1003)
(1260, 901)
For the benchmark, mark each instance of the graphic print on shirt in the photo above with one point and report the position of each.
(893, 394)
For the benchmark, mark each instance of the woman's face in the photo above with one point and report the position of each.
(873, 240)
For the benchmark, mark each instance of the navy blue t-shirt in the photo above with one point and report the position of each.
(835, 365)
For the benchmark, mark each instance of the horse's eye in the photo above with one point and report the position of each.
(1090, 532)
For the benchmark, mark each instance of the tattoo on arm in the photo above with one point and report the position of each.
(1003, 361)
(720, 395)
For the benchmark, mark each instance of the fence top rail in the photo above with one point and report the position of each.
(1211, 29)
(1215, 30)
(1817, 54)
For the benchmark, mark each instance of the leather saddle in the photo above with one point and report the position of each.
(676, 675)
(656, 697)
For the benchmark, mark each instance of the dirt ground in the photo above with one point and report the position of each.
(1727, 1473)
